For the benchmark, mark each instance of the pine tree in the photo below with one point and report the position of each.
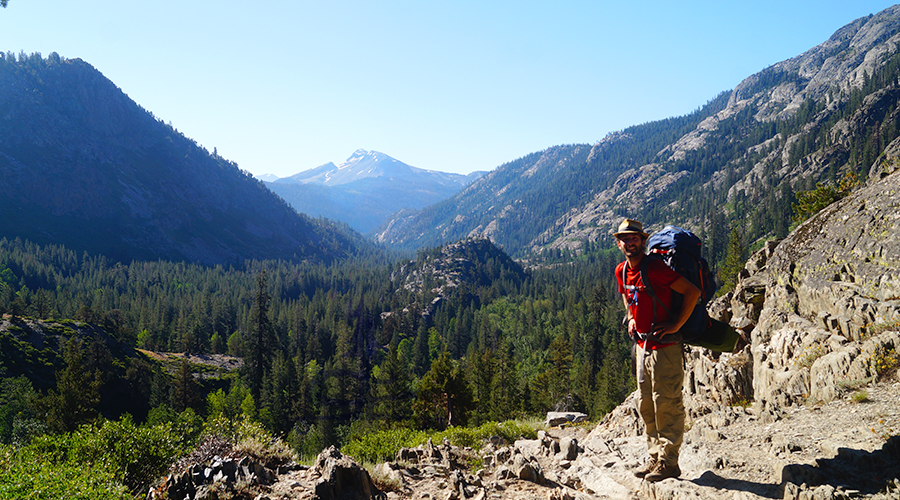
(262, 337)
(280, 392)
(734, 262)
(185, 389)
(77, 393)
(504, 397)
(392, 389)
(444, 397)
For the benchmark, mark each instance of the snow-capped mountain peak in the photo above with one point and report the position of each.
(360, 165)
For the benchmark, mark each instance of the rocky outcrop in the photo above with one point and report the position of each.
(220, 477)
(557, 418)
(820, 305)
(340, 478)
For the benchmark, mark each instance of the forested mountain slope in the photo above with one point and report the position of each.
(86, 167)
(736, 162)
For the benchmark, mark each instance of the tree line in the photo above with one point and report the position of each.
(326, 348)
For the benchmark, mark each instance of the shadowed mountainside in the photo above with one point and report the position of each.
(85, 167)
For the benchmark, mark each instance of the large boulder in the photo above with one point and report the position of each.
(342, 479)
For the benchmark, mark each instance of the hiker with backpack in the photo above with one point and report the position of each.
(653, 321)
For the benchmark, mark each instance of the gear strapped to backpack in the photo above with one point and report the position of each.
(680, 250)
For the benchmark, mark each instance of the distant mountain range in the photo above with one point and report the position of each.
(735, 163)
(84, 166)
(367, 189)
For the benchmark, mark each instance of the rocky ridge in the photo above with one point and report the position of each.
(822, 74)
(739, 152)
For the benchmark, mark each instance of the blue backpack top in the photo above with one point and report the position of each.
(680, 250)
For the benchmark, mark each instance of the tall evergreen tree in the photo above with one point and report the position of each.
(185, 389)
(392, 389)
(444, 397)
(262, 335)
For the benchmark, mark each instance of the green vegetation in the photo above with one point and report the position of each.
(811, 202)
(885, 361)
(735, 258)
(380, 446)
(809, 355)
(881, 327)
(107, 460)
(365, 355)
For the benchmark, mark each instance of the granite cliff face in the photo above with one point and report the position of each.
(823, 305)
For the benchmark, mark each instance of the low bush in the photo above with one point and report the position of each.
(110, 459)
(26, 473)
(885, 361)
(383, 445)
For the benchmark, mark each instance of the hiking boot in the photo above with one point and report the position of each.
(646, 469)
(662, 471)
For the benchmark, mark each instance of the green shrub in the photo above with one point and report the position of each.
(250, 437)
(112, 459)
(879, 328)
(383, 445)
(25, 473)
(811, 202)
(134, 455)
(885, 360)
(809, 355)
(474, 437)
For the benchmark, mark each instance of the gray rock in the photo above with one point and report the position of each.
(557, 418)
(503, 472)
(342, 478)
(526, 470)
(568, 448)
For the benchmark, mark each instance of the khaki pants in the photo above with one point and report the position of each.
(660, 403)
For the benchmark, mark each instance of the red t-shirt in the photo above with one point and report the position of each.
(640, 302)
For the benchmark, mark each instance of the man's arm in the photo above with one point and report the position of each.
(629, 320)
(691, 293)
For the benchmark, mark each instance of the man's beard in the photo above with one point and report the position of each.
(633, 250)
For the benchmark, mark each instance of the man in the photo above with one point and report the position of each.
(660, 371)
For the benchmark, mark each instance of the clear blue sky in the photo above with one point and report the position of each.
(284, 86)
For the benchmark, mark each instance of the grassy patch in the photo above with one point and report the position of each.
(383, 445)
(853, 385)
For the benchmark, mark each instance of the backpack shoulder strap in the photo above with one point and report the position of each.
(648, 287)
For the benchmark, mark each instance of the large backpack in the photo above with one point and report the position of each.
(680, 249)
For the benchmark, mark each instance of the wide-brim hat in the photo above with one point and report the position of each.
(631, 226)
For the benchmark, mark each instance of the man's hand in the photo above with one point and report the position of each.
(630, 326)
(664, 329)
